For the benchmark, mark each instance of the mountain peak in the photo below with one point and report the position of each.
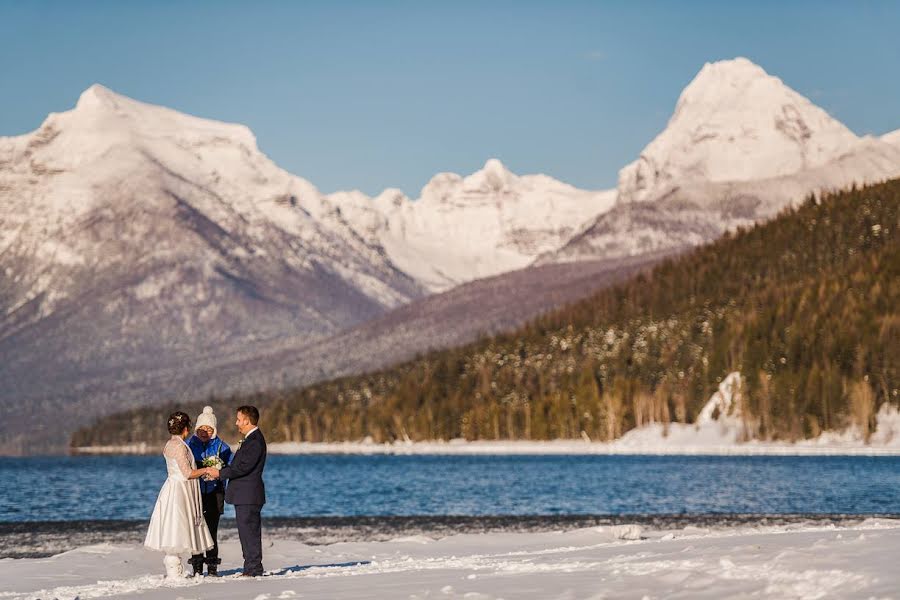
(391, 197)
(734, 122)
(737, 81)
(493, 177)
(733, 68)
(493, 165)
(98, 96)
(101, 113)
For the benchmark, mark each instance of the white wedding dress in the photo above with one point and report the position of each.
(177, 526)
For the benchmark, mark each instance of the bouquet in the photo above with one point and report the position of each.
(212, 461)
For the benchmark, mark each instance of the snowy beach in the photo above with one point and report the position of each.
(622, 561)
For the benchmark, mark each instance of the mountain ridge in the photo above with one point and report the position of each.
(136, 239)
(740, 147)
(801, 310)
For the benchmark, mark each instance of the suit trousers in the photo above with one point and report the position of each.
(249, 524)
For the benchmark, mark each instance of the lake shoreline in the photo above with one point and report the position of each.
(42, 539)
(536, 448)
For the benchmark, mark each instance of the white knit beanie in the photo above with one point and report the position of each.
(207, 418)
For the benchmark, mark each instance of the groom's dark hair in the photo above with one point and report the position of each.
(250, 412)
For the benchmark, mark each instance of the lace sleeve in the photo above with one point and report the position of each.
(176, 450)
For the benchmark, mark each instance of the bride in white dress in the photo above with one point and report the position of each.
(177, 526)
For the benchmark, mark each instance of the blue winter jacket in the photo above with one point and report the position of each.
(214, 447)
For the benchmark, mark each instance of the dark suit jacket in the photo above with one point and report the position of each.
(244, 474)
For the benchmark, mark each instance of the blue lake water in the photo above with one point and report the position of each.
(87, 488)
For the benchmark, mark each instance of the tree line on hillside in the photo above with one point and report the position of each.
(804, 307)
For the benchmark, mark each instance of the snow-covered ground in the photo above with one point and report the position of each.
(604, 562)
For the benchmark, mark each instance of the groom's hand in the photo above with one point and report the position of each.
(213, 473)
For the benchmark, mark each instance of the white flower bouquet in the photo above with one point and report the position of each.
(213, 461)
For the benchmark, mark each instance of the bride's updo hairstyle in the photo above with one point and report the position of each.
(177, 422)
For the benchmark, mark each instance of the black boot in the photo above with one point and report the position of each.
(212, 566)
(197, 563)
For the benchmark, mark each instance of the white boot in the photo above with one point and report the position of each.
(174, 566)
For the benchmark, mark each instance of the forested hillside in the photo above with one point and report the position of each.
(805, 307)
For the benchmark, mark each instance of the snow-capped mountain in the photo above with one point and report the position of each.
(734, 122)
(466, 228)
(134, 237)
(740, 146)
(139, 243)
(186, 205)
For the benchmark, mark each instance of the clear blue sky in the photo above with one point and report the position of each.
(374, 94)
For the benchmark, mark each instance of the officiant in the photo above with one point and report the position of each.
(206, 444)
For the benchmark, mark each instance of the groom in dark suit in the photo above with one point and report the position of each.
(246, 489)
